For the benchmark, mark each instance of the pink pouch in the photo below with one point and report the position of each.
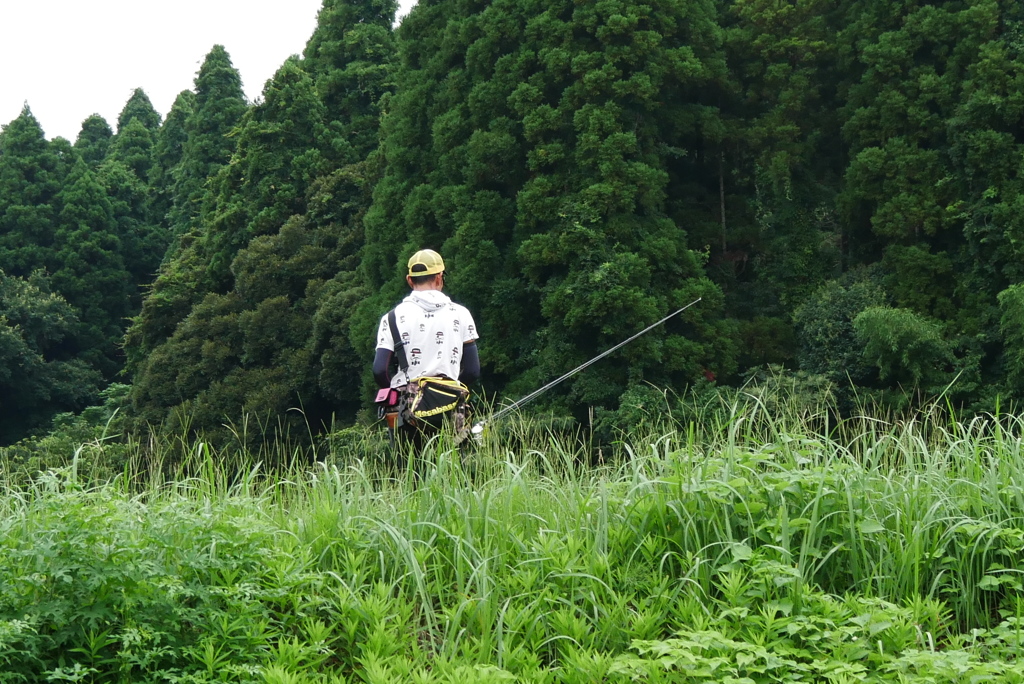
(386, 396)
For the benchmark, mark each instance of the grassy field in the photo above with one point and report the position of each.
(743, 546)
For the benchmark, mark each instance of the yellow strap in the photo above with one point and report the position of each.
(441, 381)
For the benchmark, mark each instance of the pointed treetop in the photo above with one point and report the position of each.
(23, 131)
(133, 147)
(172, 134)
(218, 78)
(167, 150)
(139, 107)
(337, 18)
(183, 104)
(93, 139)
(85, 202)
(219, 106)
(351, 56)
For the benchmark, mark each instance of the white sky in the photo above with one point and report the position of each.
(72, 58)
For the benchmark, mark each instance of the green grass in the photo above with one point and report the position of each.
(753, 543)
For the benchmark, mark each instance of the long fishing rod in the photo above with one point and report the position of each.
(479, 427)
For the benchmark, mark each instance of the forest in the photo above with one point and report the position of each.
(838, 181)
(814, 474)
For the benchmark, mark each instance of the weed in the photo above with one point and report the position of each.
(766, 544)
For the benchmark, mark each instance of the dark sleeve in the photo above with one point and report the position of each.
(470, 369)
(380, 368)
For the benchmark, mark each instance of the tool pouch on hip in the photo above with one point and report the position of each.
(386, 401)
(435, 398)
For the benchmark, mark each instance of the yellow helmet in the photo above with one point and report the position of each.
(425, 262)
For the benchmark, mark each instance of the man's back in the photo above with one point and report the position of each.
(433, 331)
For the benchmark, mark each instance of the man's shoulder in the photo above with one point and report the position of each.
(404, 308)
(455, 307)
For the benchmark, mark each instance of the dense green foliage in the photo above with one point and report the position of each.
(838, 181)
(255, 297)
(93, 139)
(141, 109)
(532, 143)
(39, 371)
(760, 547)
(75, 221)
(217, 107)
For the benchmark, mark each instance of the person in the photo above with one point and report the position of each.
(431, 338)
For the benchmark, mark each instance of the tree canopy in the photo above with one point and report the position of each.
(839, 182)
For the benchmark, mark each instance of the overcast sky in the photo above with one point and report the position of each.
(69, 59)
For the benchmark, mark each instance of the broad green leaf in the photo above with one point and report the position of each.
(870, 526)
(741, 552)
(989, 583)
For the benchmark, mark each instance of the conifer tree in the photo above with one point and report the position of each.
(125, 174)
(57, 217)
(352, 58)
(31, 177)
(585, 168)
(349, 56)
(93, 139)
(218, 107)
(274, 227)
(167, 150)
(136, 209)
(141, 109)
(896, 124)
(212, 114)
(143, 237)
(133, 147)
(88, 267)
(278, 154)
(987, 149)
(986, 145)
(143, 240)
(906, 188)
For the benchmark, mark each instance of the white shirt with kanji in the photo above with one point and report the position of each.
(432, 329)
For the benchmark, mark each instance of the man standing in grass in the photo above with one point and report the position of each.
(433, 341)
